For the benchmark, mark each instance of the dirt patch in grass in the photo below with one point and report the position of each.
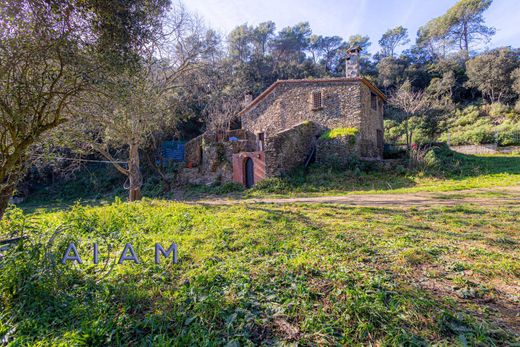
(483, 197)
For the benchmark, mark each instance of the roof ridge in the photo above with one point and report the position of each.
(268, 91)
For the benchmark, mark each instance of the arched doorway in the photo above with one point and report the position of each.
(249, 175)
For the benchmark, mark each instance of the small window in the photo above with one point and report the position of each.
(373, 101)
(261, 141)
(316, 100)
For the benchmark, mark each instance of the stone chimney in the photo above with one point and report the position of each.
(352, 62)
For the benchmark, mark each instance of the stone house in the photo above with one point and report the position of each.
(295, 121)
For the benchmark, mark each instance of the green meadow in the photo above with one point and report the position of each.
(250, 274)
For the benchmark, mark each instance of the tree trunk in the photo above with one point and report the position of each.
(5, 194)
(134, 174)
(407, 135)
(465, 39)
(10, 175)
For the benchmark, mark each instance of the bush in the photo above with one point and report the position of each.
(273, 185)
(393, 152)
(498, 111)
(467, 116)
(476, 125)
(339, 132)
(215, 189)
(441, 160)
(508, 133)
(229, 187)
(394, 131)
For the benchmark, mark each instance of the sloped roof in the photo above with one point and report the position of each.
(273, 86)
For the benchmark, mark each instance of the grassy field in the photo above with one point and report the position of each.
(461, 172)
(264, 274)
(455, 173)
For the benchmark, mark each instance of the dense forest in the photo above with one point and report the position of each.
(436, 81)
(89, 80)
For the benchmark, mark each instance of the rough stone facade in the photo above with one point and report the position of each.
(291, 103)
(371, 122)
(281, 129)
(209, 157)
(288, 149)
(337, 151)
(277, 118)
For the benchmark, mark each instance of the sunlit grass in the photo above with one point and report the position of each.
(474, 172)
(271, 274)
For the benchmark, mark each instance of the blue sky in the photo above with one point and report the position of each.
(347, 17)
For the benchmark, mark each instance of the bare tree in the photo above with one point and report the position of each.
(130, 106)
(222, 111)
(410, 103)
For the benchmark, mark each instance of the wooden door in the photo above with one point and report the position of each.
(249, 173)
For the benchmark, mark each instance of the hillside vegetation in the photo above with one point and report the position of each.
(478, 125)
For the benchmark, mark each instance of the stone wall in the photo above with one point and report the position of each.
(372, 121)
(288, 149)
(209, 156)
(204, 146)
(337, 151)
(346, 104)
(484, 149)
(291, 104)
(192, 151)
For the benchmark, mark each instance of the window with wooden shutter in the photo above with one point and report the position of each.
(316, 100)
(373, 101)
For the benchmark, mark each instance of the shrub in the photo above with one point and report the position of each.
(273, 185)
(508, 133)
(229, 187)
(215, 188)
(441, 160)
(475, 125)
(339, 132)
(498, 110)
(393, 152)
(466, 116)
